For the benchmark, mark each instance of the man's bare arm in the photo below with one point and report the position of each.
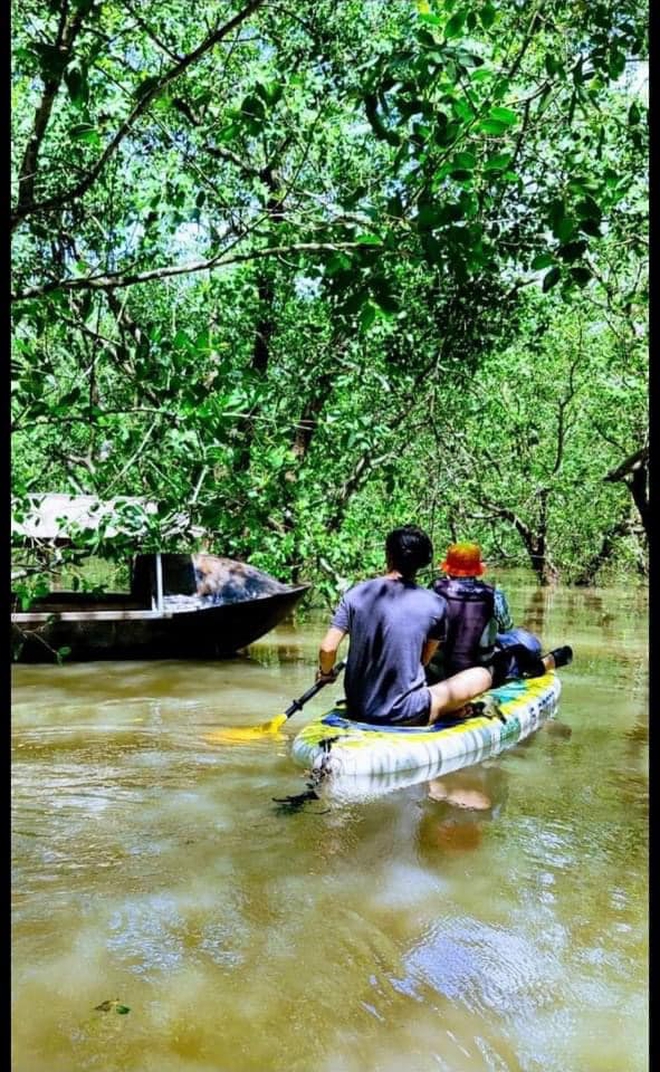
(429, 650)
(328, 651)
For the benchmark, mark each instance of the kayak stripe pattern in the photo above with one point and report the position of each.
(342, 747)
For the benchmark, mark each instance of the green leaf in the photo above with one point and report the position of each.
(552, 64)
(564, 228)
(634, 114)
(463, 110)
(493, 126)
(455, 25)
(76, 82)
(53, 60)
(338, 263)
(84, 132)
(429, 215)
(498, 161)
(572, 250)
(542, 260)
(383, 297)
(379, 128)
(466, 161)
(368, 314)
(590, 227)
(588, 209)
(270, 92)
(487, 15)
(551, 278)
(368, 240)
(580, 274)
(433, 250)
(503, 115)
(617, 64)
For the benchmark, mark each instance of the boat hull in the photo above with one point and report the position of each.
(360, 758)
(206, 632)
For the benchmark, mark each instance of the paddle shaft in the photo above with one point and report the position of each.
(298, 704)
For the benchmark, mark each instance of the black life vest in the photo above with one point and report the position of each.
(470, 608)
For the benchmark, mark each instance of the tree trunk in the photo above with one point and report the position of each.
(603, 555)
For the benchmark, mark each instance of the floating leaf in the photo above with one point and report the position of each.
(112, 1005)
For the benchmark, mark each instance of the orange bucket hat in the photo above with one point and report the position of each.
(463, 560)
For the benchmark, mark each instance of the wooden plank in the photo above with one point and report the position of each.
(89, 616)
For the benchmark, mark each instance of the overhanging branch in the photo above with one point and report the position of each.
(114, 280)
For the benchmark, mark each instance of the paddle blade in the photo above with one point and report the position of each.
(227, 734)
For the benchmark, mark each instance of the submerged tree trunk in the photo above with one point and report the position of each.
(604, 553)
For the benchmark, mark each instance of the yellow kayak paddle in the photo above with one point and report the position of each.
(274, 725)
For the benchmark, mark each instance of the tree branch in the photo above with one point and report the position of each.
(114, 280)
(66, 36)
(27, 208)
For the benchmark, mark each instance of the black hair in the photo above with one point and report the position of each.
(408, 549)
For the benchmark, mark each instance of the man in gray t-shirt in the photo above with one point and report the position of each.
(395, 627)
(389, 621)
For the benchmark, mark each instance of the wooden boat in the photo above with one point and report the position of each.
(180, 606)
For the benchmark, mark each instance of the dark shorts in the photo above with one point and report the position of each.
(517, 654)
(414, 710)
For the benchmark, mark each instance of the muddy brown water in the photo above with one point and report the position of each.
(495, 919)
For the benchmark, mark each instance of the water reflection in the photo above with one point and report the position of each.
(459, 806)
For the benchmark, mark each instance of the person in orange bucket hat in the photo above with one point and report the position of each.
(480, 629)
(463, 560)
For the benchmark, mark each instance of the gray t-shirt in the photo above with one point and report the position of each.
(388, 622)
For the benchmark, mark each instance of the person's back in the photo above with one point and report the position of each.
(389, 621)
(471, 625)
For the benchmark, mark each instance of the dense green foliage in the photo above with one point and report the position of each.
(303, 272)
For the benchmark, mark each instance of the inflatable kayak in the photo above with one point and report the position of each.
(396, 756)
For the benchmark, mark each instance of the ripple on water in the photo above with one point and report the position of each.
(486, 967)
